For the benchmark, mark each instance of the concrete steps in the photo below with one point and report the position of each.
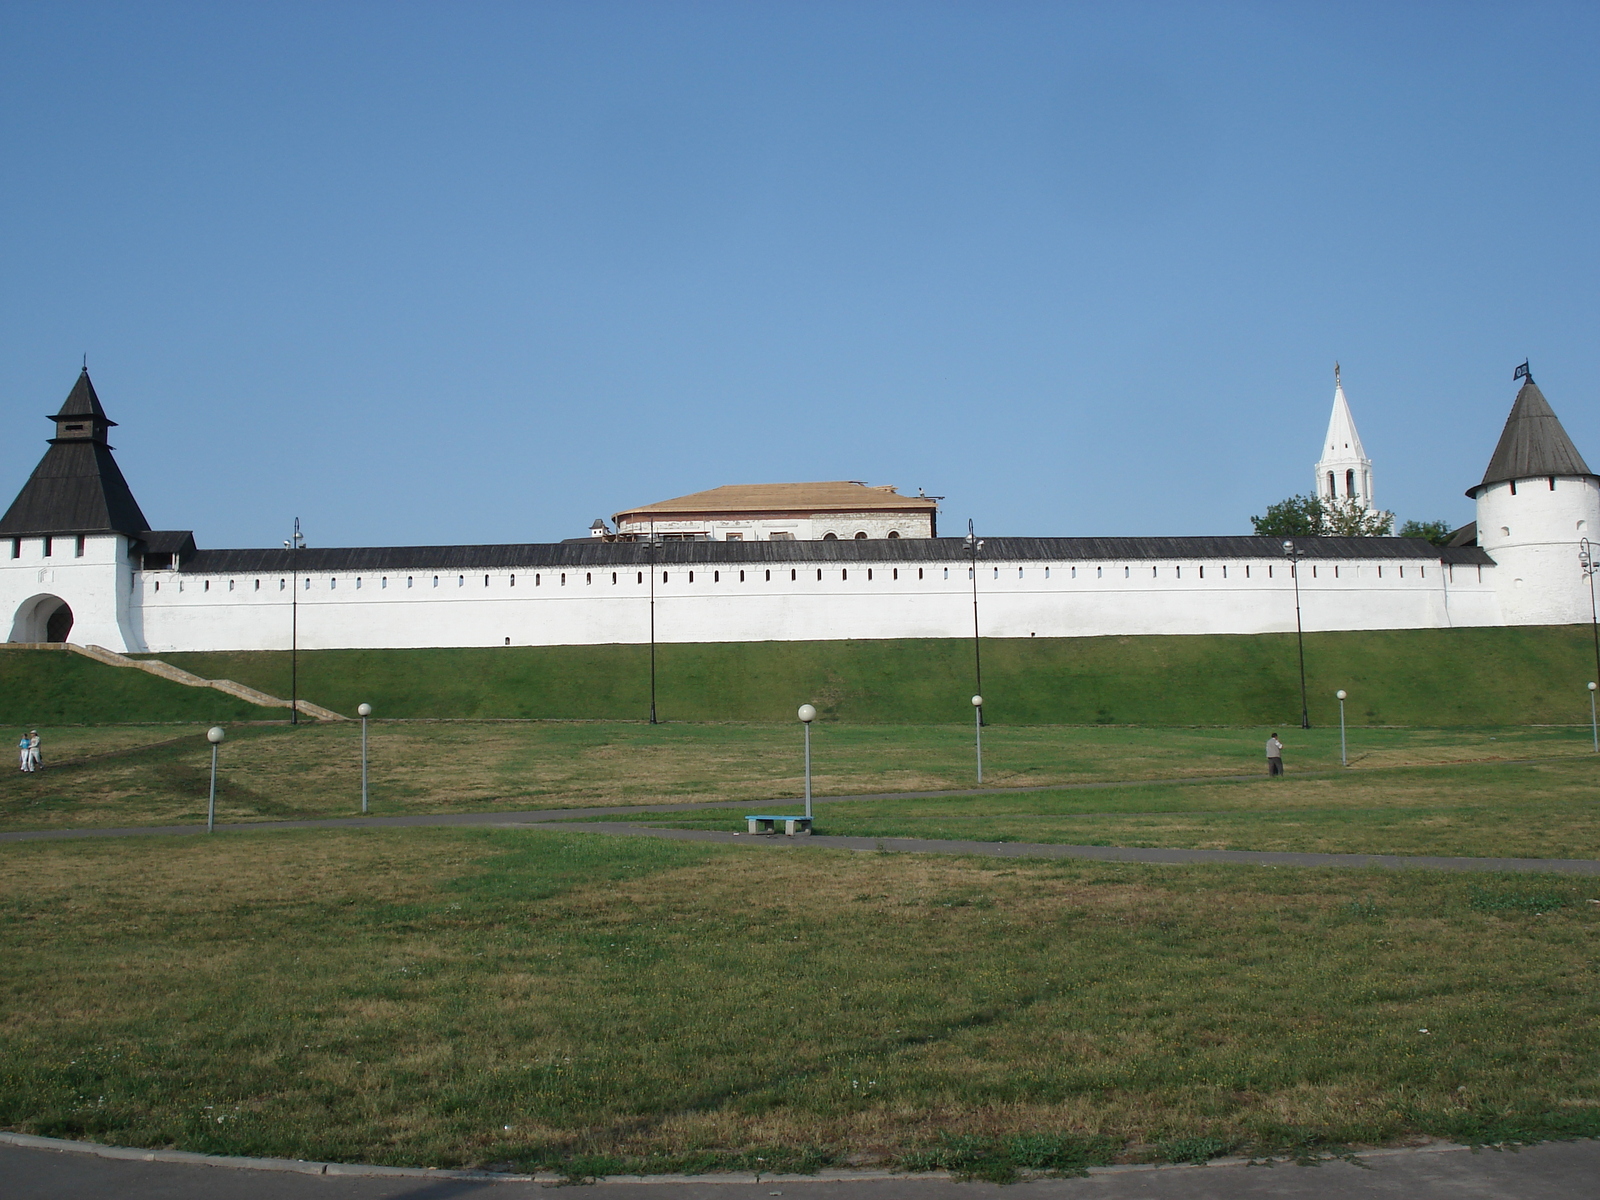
(154, 666)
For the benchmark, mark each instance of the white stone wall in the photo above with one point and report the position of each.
(1533, 532)
(790, 602)
(97, 584)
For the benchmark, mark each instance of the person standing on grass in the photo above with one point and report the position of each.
(1274, 756)
(25, 753)
(35, 761)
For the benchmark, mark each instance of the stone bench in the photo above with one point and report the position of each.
(791, 825)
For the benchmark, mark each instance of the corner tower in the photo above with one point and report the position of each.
(1536, 503)
(1344, 472)
(65, 562)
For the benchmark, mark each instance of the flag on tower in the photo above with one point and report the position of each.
(1522, 372)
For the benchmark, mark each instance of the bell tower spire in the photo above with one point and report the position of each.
(1344, 472)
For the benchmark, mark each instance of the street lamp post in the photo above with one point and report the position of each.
(364, 711)
(214, 735)
(977, 709)
(1344, 760)
(807, 715)
(654, 543)
(1586, 560)
(1293, 554)
(1593, 722)
(296, 542)
(974, 543)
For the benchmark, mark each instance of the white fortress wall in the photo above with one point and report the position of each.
(787, 601)
(92, 574)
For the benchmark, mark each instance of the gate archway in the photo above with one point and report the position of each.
(43, 618)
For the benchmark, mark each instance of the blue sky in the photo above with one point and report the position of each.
(477, 272)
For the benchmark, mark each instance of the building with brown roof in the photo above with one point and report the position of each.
(785, 512)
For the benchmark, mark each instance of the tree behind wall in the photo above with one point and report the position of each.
(1308, 516)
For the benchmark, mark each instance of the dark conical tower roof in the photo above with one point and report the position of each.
(1532, 444)
(77, 486)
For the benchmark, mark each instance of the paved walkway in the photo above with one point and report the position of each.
(1552, 1171)
(574, 819)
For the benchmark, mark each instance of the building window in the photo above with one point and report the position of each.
(1552, 488)
(358, 583)
(896, 574)
(769, 577)
(207, 586)
(258, 585)
(1202, 571)
(641, 577)
(830, 537)
(384, 582)
(304, 587)
(613, 579)
(1331, 492)
(861, 535)
(485, 582)
(588, 577)
(410, 580)
(869, 574)
(435, 581)
(1336, 572)
(663, 577)
(894, 533)
(332, 584)
(16, 547)
(947, 572)
(513, 581)
(1350, 485)
(282, 583)
(716, 577)
(1402, 572)
(1047, 572)
(1247, 572)
(508, 641)
(733, 537)
(461, 581)
(1313, 571)
(1269, 572)
(791, 576)
(158, 585)
(741, 576)
(1513, 492)
(919, 572)
(77, 550)
(563, 579)
(819, 574)
(691, 576)
(49, 546)
(782, 535)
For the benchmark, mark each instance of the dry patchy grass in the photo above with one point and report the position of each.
(458, 996)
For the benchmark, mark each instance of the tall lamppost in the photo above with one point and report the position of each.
(807, 714)
(295, 542)
(654, 543)
(974, 543)
(1344, 760)
(214, 735)
(977, 708)
(1586, 560)
(1593, 721)
(364, 711)
(1293, 554)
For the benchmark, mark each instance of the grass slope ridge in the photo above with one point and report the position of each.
(39, 687)
(1432, 677)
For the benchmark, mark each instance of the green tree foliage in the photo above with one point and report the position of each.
(1308, 516)
(1437, 532)
(1350, 518)
(1298, 516)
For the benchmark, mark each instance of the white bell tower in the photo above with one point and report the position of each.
(1344, 472)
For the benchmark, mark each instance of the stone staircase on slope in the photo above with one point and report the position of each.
(155, 666)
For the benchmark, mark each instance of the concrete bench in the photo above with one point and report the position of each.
(791, 825)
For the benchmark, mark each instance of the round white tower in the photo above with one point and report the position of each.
(1537, 502)
(1344, 472)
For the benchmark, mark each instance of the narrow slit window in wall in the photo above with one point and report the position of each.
(563, 579)
(1224, 571)
(640, 574)
(1552, 488)
(77, 551)
(769, 577)
(410, 580)
(947, 572)
(230, 585)
(512, 582)
(663, 577)
(613, 579)
(741, 576)
(1247, 571)
(508, 641)
(536, 579)
(896, 573)
(1380, 571)
(691, 576)
(332, 584)
(16, 547)
(869, 574)
(844, 574)
(49, 547)
(1269, 572)
(1202, 571)
(997, 572)
(1177, 572)
(716, 577)
(1402, 572)
(305, 585)
(1019, 572)
(1423, 571)
(819, 575)
(1313, 572)
(282, 583)
(461, 581)
(384, 582)
(258, 585)
(358, 583)
(158, 585)
(485, 582)
(919, 572)
(435, 581)
(1153, 572)
(1336, 572)
(207, 586)
(791, 576)
(1513, 487)
(588, 577)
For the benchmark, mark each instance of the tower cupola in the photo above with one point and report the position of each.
(81, 418)
(1344, 472)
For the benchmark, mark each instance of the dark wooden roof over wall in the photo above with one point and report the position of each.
(596, 554)
(76, 488)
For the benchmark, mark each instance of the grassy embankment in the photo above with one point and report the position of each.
(1402, 677)
(57, 688)
(521, 999)
(273, 772)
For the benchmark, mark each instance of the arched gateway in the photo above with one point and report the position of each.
(43, 618)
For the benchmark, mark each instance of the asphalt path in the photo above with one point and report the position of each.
(581, 820)
(1551, 1171)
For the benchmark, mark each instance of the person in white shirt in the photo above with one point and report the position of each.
(35, 762)
(1274, 756)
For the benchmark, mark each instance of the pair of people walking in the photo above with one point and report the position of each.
(28, 752)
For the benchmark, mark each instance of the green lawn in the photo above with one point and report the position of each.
(271, 772)
(57, 687)
(1512, 676)
(520, 998)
